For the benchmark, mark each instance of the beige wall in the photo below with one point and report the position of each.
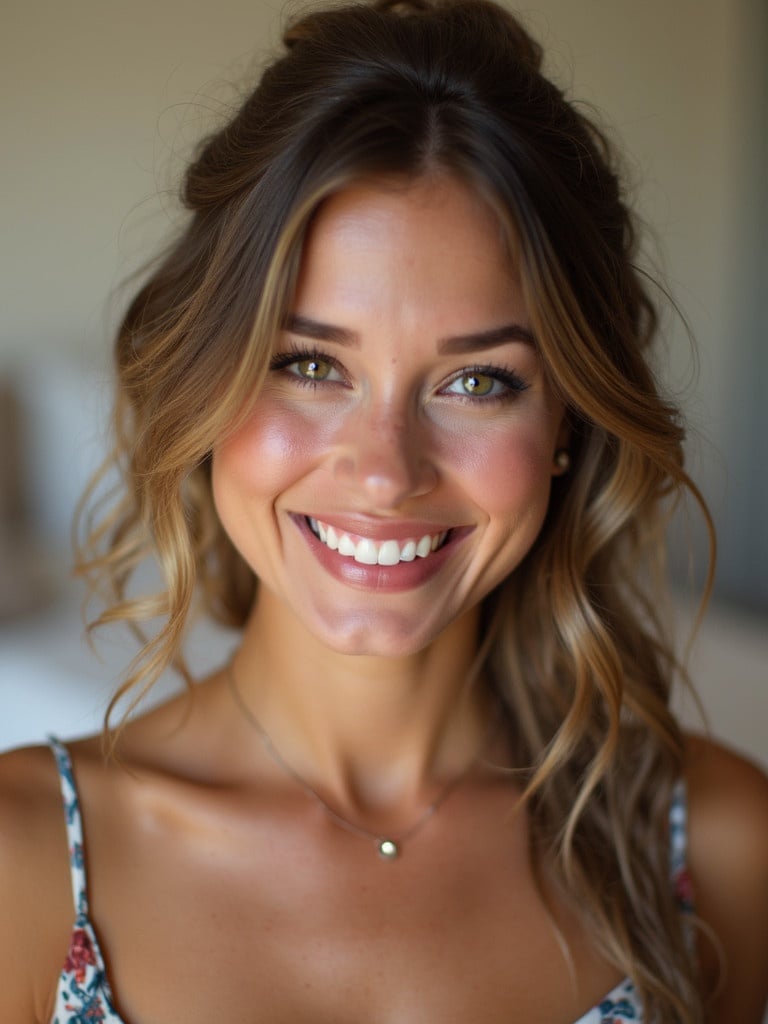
(98, 99)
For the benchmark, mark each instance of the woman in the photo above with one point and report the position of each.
(385, 407)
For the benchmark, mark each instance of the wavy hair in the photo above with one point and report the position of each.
(572, 640)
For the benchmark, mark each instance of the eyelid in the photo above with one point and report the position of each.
(295, 354)
(512, 381)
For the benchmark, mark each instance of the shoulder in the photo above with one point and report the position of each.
(728, 863)
(728, 801)
(31, 812)
(35, 892)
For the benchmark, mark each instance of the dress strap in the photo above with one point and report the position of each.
(74, 825)
(678, 862)
(678, 829)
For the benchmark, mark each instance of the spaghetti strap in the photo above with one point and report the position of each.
(83, 992)
(74, 824)
(678, 828)
(678, 863)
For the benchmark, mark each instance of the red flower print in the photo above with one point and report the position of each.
(683, 889)
(80, 956)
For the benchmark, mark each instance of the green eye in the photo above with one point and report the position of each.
(476, 384)
(313, 369)
(307, 367)
(485, 382)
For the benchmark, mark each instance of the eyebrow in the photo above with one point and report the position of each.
(309, 328)
(463, 343)
(459, 344)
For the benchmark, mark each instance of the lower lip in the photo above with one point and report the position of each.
(390, 579)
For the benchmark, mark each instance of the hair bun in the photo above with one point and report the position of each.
(498, 22)
(403, 7)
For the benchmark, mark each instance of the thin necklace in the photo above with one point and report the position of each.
(388, 847)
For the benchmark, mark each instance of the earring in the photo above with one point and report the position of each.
(562, 460)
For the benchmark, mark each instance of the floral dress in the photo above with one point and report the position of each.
(84, 996)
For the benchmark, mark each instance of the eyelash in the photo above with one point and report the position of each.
(514, 384)
(283, 360)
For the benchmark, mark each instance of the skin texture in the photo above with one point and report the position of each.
(220, 891)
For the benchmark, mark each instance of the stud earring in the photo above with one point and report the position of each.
(562, 460)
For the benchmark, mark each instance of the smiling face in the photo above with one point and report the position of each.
(397, 464)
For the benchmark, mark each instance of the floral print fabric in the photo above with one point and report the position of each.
(84, 995)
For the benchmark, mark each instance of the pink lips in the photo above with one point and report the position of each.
(402, 575)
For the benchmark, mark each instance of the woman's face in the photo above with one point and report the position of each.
(397, 464)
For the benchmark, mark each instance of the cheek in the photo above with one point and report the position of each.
(508, 471)
(268, 451)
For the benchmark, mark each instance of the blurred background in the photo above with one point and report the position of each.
(101, 104)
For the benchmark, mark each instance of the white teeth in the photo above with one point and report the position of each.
(371, 552)
(389, 553)
(346, 545)
(409, 551)
(366, 552)
(424, 547)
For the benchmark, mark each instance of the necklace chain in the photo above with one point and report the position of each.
(388, 847)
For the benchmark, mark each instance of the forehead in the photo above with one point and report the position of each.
(442, 206)
(398, 248)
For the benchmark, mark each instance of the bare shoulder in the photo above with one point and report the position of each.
(728, 798)
(728, 860)
(30, 812)
(34, 883)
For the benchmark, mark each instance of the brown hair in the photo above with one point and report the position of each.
(572, 639)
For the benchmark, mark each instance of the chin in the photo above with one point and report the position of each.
(382, 636)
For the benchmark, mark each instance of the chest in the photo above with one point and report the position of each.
(296, 920)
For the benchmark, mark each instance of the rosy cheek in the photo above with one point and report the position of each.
(273, 447)
(275, 441)
(502, 467)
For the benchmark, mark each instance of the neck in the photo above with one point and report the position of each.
(370, 733)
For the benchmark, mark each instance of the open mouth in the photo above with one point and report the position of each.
(377, 552)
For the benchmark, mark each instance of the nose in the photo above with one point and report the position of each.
(384, 455)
